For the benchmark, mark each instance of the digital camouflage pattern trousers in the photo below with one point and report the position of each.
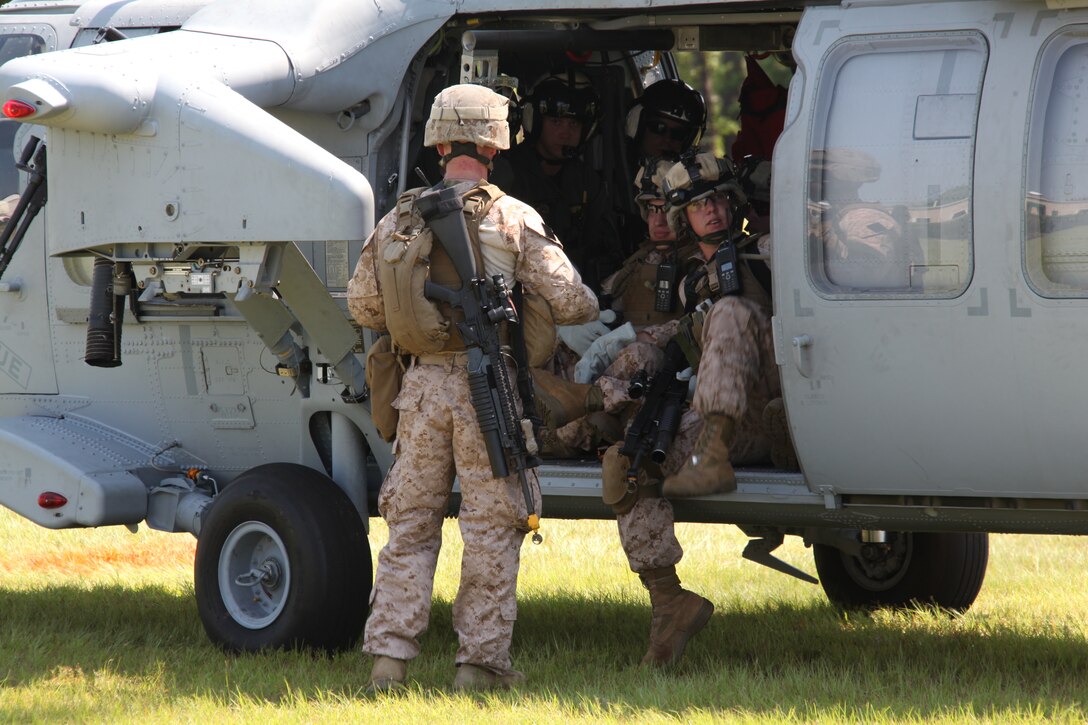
(438, 436)
(737, 377)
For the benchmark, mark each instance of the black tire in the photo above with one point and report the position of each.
(941, 569)
(314, 588)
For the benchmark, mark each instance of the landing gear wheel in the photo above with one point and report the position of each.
(942, 569)
(282, 561)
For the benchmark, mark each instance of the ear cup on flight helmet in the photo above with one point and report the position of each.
(668, 98)
(569, 95)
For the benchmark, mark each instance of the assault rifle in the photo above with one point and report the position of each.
(486, 304)
(655, 425)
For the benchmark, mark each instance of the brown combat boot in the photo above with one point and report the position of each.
(678, 615)
(474, 677)
(707, 469)
(388, 673)
(783, 457)
(560, 401)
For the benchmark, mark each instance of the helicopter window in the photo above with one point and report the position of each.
(94, 36)
(16, 46)
(13, 46)
(890, 169)
(1056, 197)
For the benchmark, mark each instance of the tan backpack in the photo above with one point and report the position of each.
(417, 324)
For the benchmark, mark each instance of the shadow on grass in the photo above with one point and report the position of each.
(582, 652)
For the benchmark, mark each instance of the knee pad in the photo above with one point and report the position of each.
(614, 491)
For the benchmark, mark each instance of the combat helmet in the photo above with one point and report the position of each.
(694, 177)
(467, 115)
(668, 98)
(565, 95)
(650, 183)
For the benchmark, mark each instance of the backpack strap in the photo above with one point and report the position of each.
(478, 202)
(407, 217)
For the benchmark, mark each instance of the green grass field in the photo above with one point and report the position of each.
(102, 626)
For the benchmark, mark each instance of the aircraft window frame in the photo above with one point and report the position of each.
(88, 36)
(43, 32)
(1073, 284)
(13, 135)
(912, 252)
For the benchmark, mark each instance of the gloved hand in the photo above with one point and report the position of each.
(602, 352)
(580, 337)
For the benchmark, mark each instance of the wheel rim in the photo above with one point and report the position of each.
(881, 566)
(254, 575)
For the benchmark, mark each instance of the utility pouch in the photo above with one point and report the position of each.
(384, 373)
(689, 335)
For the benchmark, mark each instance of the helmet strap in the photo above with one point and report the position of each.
(715, 238)
(464, 148)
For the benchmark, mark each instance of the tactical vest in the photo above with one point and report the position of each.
(638, 293)
(409, 257)
(639, 287)
(754, 286)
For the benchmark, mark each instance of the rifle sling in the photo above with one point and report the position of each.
(521, 358)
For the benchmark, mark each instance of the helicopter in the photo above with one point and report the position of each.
(191, 181)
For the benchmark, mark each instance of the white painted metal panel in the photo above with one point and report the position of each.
(976, 394)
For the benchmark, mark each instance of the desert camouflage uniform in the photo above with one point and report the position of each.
(737, 376)
(864, 245)
(647, 531)
(639, 271)
(864, 248)
(438, 436)
(587, 432)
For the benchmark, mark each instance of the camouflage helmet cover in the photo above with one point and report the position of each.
(468, 113)
(695, 177)
(650, 183)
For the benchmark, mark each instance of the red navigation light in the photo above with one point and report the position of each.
(50, 500)
(18, 109)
